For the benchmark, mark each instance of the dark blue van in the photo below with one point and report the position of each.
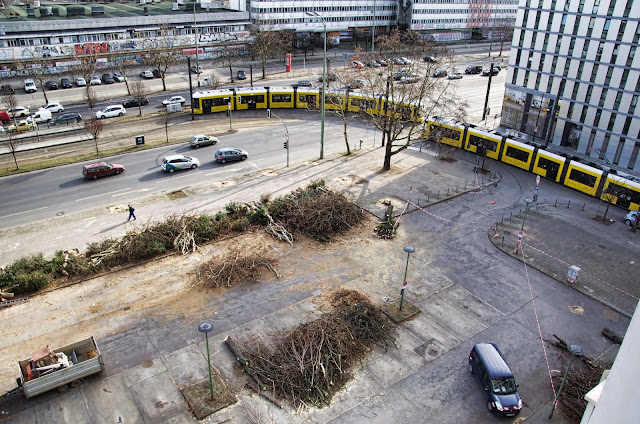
(488, 365)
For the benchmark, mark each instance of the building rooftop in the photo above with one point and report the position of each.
(52, 11)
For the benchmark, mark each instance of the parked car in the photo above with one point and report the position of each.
(107, 79)
(7, 89)
(397, 76)
(440, 73)
(177, 162)
(65, 83)
(5, 117)
(67, 118)
(42, 116)
(487, 71)
(382, 62)
(357, 64)
(373, 64)
(430, 59)
(241, 75)
(355, 84)
(51, 85)
(80, 82)
(19, 112)
(330, 77)
(202, 140)
(95, 80)
(146, 74)
(230, 154)
(156, 73)
(409, 79)
(136, 101)
(111, 111)
(397, 61)
(473, 69)
(101, 169)
(173, 100)
(406, 61)
(23, 125)
(454, 75)
(490, 368)
(30, 86)
(303, 83)
(630, 217)
(117, 76)
(196, 69)
(53, 107)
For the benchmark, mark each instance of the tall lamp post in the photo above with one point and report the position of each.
(409, 251)
(575, 351)
(324, 79)
(206, 327)
(195, 30)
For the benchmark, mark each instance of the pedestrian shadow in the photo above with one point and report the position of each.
(113, 227)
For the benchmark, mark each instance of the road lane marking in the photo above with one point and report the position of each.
(20, 213)
(141, 190)
(103, 194)
(217, 172)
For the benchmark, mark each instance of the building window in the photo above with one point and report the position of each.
(594, 72)
(572, 44)
(627, 124)
(623, 80)
(596, 119)
(585, 49)
(603, 96)
(570, 112)
(634, 156)
(592, 22)
(545, 43)
(580, 68)
(627, 8)
(515, 76)
(623, 26)
(538, 81)
(574, 93)
(583, 115)
(616, 103)
(567, 64)
(614, 54)
(632, 105)
(607, 79)
(600, 50)
(636, 36)
(581, 6)
(563, 22)
(605, 146)
(549, 85)
(605, 29)
(632, 54)
(587, 97)
(541, 63)
(612, 121)
(526, 78)
(616, 156)
(596, 4)
(612, 5)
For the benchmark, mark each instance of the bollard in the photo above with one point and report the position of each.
(438, 196)
(583, 205)
(510, 215)
(569, 203)
(502, 239)
(501, 219)
(427, 198)
(556, 205)
(447, 191)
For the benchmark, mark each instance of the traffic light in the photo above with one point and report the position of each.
(269, 114)
(286, 144)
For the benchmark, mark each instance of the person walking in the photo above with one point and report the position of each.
(131, 214)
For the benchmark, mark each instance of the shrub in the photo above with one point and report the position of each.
(315, 184)
(258, 217)
(202, 228)
(240, 225)
(235, 208)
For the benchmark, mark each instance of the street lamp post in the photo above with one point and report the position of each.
(195, 30)
(409, 251)
(575, 351)
(324, 79)
(206, 327)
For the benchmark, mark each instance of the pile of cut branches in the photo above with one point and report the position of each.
(308, 365)
(239, 264)
(580, 380)
(316, 211)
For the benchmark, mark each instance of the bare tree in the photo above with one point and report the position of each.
(268, 44)
(166, 118)
(503, 31)
(10, 144)
(139, 91)
(408, 93)
(122, 66)
(161, 56)
(228, 57)
(94, 127)
(10, 101)
(90, 97)
(611, 193)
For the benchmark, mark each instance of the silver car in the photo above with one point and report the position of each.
(228, 154)
(177, 162)
(202, 140)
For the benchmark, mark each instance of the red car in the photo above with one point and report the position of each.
(101, 169)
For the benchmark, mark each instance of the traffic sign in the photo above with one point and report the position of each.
(405, 284)
(537, 180)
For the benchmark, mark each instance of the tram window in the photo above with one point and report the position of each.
(544, 163)
(517, 154)
(621, 191)
(281, 98)
(307, 98)
(220, 101)
(483, 142)
(582, 178)
(445, 132)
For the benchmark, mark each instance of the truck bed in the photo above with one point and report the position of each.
(89, 361)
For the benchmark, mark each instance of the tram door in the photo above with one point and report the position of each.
(552, 170)
(206, 105)
(251, 102)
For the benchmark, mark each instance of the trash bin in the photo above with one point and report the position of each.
(139, 140)
(174, 107)
(206, 81)
(572, 275)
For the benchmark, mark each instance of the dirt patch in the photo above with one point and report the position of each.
(198, 396)
(178, 194)
(350, 180)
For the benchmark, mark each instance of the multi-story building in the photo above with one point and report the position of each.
(574, 79)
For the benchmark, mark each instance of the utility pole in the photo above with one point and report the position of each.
(485, 111)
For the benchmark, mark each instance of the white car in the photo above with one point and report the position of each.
(177, 162)
(80, 82)
(146, 74)
(117, 76)
(406, 60)
(53, 107)
(95, 80)
(173, 100)
(19, 112)
(111, 111)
